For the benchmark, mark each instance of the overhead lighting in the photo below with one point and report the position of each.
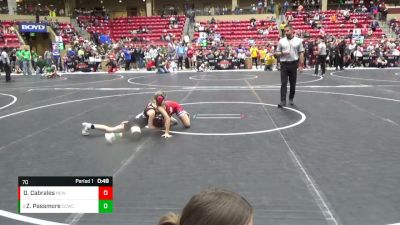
(120, 1)
(101, 1)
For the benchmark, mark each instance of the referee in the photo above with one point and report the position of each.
(291, 52)
(6, 64)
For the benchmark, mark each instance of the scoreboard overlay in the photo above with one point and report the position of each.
(41, 194)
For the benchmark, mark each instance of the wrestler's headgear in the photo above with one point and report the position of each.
(159, 97)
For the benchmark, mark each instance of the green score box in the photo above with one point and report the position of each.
(105, 206)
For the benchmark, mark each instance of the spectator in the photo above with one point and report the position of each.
(34, 58)
(213, 207)
(254, 55)
(13, 59)
(253, 23)
(272, 6)
(26, 61)
(260, 6)
(355, 22)
(212, 21)
(290, 18)
(181, 52)
(364, 9)
(285, 6)
(171, 50)
(269, 61)
(381, 62)
(300, 9)
(282, 28)
(111, 64)
(357, 55)
(346, 14)
(161, 64)
(321, 57)
(172, 20)
(150, 66)
(51, 72)
(374, 25)
(262, 53)
(127, 59)
(190, 56)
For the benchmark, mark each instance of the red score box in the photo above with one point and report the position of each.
(105, 193)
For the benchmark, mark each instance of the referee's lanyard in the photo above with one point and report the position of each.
(289, 56)
(290, 45)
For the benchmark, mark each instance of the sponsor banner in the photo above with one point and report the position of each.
(58, 46)
(32, 28)
(223, 64)
(59, 39)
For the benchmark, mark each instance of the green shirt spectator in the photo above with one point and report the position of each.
(204, 43)
(35, 56)
(163, 50)
(19, 55)
(50, 69)
(26, 55)
(41, 63)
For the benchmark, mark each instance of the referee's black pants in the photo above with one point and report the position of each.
(288, 71)
(7, 70)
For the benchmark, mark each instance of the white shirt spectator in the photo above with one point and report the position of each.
(370, 48)
(251, 41)
(364, 9)
(201, 28)
(4, 58)
(147, 55)
(153, 53)
(203, 35)
(395, 52)
(357, 32)
(391, 45)
(358, 53)
(322, 32)
(217, 37)
(241, 55)
(186, 39)
(351, 46)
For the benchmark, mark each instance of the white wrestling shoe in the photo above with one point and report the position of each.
(85, 128)
(136, 132)
(110, 137)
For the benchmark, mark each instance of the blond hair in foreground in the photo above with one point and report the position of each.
(212, 207)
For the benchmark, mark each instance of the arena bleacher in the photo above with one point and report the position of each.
(122, 27)
(10, 38)
(239, 32)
